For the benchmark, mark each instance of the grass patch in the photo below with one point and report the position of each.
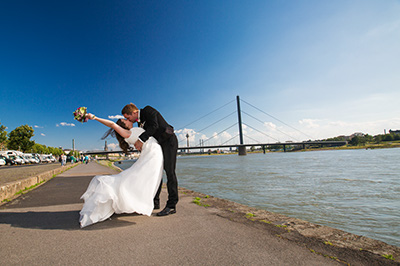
(197, 201)
(23, 191)
(388, 256)
(280, 225)
(249, 215)
(328, 256)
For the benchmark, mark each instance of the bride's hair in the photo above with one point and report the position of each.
(122, 143)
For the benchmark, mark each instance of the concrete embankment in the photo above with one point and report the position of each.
(41, 227)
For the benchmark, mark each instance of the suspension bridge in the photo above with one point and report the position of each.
(237, 143)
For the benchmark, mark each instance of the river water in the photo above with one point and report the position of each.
(357, 191)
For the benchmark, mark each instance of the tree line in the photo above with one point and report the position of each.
(360, 140)
(20, 139)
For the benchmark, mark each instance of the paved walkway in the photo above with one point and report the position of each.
(17, 172)
(41, 228)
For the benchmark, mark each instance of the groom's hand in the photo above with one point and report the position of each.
(138, 145)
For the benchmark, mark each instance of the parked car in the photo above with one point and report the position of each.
(51, 157)
(37, 157)
(31, 158)
(8, 160)
(2, 162)
(16, 159)
(45, 158)
(26, 161)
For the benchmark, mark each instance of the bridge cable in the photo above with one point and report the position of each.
(207, 114)
(261, 132)
(229, 139)
(253, 139)
(218, 133)
(200, 131)
(270, 126)
(277, 119)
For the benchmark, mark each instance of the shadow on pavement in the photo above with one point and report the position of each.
(68, 220)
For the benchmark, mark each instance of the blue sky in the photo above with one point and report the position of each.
(325, 68)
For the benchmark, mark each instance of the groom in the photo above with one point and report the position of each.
(155, 126)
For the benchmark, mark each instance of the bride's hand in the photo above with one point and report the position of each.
(90, 116)
(138, 145)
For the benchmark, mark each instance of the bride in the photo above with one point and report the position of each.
(131, 191)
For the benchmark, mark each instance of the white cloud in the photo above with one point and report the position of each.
(203, 137)
(270, 125)
(113, 146)
(42, 134)
(116, 117)
(36, 126)
(309, 123)
(181, 134)
(64, 124)
(225, 136)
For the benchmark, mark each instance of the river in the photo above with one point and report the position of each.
(357, 191)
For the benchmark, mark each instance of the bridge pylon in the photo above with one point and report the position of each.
(241, 148)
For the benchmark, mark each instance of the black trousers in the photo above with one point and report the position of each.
(170, 151)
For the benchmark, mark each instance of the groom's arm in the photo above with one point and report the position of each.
(152, 125)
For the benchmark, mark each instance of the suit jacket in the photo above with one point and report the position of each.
(154, 125)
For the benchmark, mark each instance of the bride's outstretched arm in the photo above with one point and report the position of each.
(122, 131)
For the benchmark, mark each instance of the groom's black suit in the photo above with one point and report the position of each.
(155, 126)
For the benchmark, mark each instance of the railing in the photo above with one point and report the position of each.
(263, 145)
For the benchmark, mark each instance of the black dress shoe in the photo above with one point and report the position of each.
(166, 211)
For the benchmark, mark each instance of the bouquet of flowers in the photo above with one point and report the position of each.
(80, 114)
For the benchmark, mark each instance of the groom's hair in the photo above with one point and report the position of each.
(129, 109)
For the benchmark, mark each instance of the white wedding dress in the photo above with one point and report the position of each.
(130, 191)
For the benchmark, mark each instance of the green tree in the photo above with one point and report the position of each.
(339, 138)
(3, 137)
(20, 138)
(38, 148)
(378, 138)
(58, 151)
(357, 140)
(368, 138)
(388, 137)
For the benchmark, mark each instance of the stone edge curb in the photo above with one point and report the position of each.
(325, 234)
